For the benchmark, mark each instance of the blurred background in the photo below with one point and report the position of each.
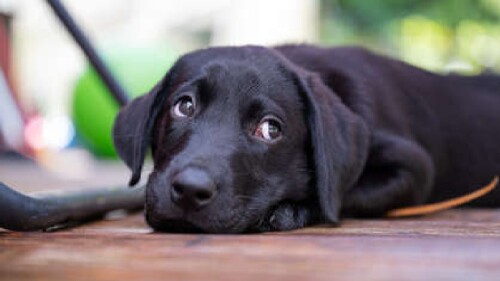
(55, 111)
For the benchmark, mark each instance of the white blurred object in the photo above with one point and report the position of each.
(11, 121)
(58, 132)
(267, 22)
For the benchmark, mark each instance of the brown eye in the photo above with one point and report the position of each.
(184, 107)
(268, 130)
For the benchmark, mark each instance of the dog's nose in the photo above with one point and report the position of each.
(192, 189)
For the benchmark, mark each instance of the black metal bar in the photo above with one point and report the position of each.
(112, 84)
(20, 212)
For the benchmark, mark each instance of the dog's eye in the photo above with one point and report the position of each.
(184, 107)
(269, 129)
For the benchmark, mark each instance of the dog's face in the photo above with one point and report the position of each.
(230, 134)
(229, 144)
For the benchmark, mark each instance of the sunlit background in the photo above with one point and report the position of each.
(53, 104)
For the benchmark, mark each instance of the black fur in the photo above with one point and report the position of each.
(362, 134)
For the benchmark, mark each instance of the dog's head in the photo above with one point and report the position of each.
(234, 132)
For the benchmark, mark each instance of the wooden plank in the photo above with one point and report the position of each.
(454, 245)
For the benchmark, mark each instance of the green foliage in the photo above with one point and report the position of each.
(443, 35)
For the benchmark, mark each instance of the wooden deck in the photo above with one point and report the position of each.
(453, 245)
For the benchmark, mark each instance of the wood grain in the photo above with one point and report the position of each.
(454, 245)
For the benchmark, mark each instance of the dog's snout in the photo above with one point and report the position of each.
(192, 189)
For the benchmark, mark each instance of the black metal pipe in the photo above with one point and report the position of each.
(20, 212)
(114, 87)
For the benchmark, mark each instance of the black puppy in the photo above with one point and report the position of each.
(257, 139)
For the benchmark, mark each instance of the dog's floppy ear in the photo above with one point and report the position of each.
(133, 128)
(339, 140)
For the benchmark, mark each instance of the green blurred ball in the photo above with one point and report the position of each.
(94, 109)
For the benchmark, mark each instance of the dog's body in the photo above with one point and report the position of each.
(256, 139)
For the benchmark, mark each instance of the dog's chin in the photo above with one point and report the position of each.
(181, 225)
(174, 226)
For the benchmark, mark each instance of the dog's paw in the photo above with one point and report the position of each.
(286, 216)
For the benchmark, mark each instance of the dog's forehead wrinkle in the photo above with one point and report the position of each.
(233, 77)
(248, 54)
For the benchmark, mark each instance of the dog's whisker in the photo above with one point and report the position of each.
(246, 197)
(242, 173)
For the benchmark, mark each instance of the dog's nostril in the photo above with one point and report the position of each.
(178, 189)
(192, 188)
(203, 195)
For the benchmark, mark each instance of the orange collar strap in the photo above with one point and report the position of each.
(444, 205)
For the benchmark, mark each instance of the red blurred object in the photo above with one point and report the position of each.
(33, 131)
